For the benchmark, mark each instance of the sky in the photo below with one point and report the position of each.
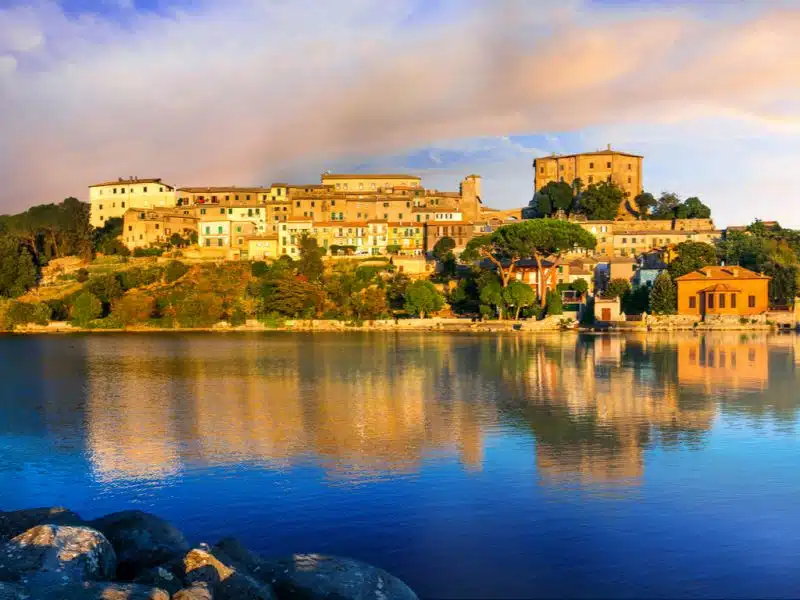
(247, 92)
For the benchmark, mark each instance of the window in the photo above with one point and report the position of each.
(249, 212)
(158, 226)
(361, 186)
(123, 205)
(560, 167)
(400, 216)
(115, 190)
(239, 230)
(722, 300)
(385, 217)
(541, 169)
(338, 186)
(591, 165)
(629, 166)
(219, 241)
(208, 230)
(344, 186)
(247, 197)
(624, 240)
(633, 240)
(101, 207)
(608, 165)
(297, 204)
(222, 211)
(219, 229)
(591, 178)
(751, 301)
(692, 302)
(710, 301)
(161, 189)
(144, 189)
(733, 300)
(630, 180)
(130, 227)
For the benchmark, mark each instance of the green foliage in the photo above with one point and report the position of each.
(339, 250)
(370, 304)
(636, 301)
(580, 285)
(259, 268)
(24, 313)
(174, 271)
(309, 265)
(691, 256)
(17, 270)
(59, 309)
(464, 299)
(601, 201)
(199, 310)
(518, 296)
(137, 277)
(669, 206)
(291, 296)
(443, 249)
(85, 308)
(587, 316)
(644, 202)
(553, 305)
(142, 252)
(105, 288)
(491, 295)
(663, 295)
(422, 299)
(393, 248)
(134, 307)
(617, 288)
(551, 198)
(82, 275)
(238, 317)
(783, 286)
(396, 286)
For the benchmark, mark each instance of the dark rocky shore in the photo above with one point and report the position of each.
(52, 553)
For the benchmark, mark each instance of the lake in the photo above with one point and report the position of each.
(468, 465)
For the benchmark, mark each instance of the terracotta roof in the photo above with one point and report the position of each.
(595, 153)
(311, 186)
(733, 273)
(721, 287)
(129, 181)
(369, 176)
(212, 190)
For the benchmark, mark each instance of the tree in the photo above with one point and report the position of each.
(617, 288)
(259, 268)
(663, 295)
(423, 299)
(393, 248)
(199, 309)
(18, 272)
(370, 304)
(666, 205)
(292, 296)
(644, 202)
(519, 295)
(443, 249)
(691, 256)
(106, 239)
(553, 303)
(783, 285)
(23, 313)
(580, 285)
(134, 307)
(551, 198)
(536, 238)
(105, 288)
(174, 271)
(601, 201)
(636, 301)
(310, 264)
(491, 295)
(85, 308)
(396, 287)
(694, 209)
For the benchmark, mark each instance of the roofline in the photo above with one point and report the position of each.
(593, 153)
(369, 176)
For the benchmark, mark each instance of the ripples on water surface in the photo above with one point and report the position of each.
(471, 466)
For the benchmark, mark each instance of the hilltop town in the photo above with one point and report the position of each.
(591, 246)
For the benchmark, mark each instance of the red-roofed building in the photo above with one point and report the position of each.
(723, 291)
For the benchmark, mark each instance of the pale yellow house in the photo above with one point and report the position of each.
(262, 247)
(369, 182)
(111, 199)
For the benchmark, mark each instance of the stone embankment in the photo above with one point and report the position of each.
(52, 553)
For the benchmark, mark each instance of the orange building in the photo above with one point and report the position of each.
(723, 291)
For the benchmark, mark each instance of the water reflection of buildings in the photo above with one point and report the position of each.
(594, 405)
(150, 415)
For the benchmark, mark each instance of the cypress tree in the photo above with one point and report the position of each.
(663, 296)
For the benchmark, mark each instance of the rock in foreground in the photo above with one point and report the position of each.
(101, 591)
(141, 540)
(57, 554)
(318, 577)
(10, 591)
(19, 521)
(222, 576)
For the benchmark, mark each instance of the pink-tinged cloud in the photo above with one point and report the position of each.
(234, 92)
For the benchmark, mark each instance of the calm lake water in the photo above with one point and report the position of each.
(468, 465)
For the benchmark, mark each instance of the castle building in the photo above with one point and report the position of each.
(622, 168)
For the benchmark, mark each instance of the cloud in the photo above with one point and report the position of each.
(245, 90)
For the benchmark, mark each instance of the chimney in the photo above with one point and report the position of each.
(735, 271)
(609, 146)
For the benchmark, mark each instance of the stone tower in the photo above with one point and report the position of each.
(470, 203)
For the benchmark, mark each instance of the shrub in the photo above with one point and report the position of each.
(23, 313)
(554, 306)
(259, 268)
(59, 311)
(105, 288)
(134, 307)
(617, 288)
(174, 271)
(199, 309)
(663, 295)
(85, 308)
(238, 317)
(82, 275)
(743, 321)
(141, 252)
(132, 278)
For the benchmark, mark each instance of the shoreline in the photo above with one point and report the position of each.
(418, 326)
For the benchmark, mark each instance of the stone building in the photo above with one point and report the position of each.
(112, 199)
(622, 168)
(144, 228)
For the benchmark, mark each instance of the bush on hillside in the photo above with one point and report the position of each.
(174, 271)
(141, 252)
(82, 275)
(199, 309)
(24, 313)
(259, 268)
(59, 309)
(85, 308)
(423, 299)
(105, 288)
(134, 307)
